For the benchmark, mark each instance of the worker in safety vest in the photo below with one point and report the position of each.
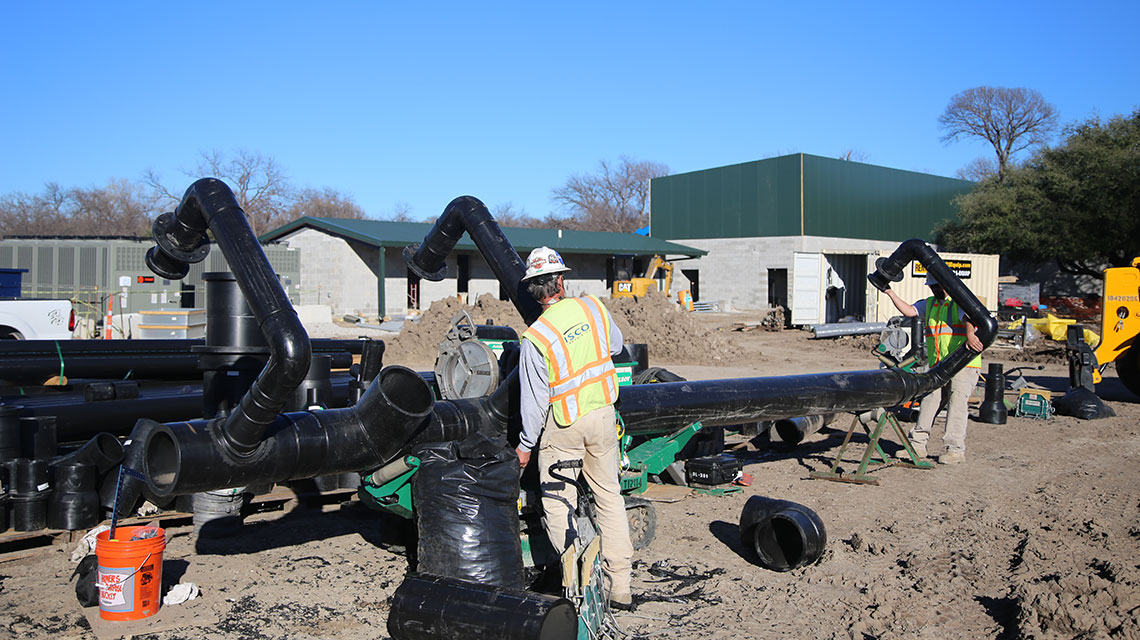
(946, 329)
(568, 389)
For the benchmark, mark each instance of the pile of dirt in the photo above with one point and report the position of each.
(418, 342)
(673, 335)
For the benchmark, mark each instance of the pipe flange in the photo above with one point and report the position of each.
(197, 253)
(409, 253)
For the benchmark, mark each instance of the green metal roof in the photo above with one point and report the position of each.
(384, 233)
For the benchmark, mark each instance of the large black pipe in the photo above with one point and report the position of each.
(180, 239)
(190, 457)
(99, 348)
(467, 213)
(154, 366)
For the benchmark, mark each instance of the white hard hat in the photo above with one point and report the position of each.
(542, 261)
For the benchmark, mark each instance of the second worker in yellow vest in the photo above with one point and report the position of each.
(946, 329)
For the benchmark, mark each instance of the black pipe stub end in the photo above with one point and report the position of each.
(411, 258)
(174, 250)
(881, 279)
(784, 535)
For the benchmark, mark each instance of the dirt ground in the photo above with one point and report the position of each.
(1036, 535)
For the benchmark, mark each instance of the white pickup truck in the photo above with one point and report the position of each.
(36, 319)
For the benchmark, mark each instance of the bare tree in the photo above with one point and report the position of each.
(1009, 119)
(854, 155)
(258, 183)
(119, 209)
(402, 212)
(507, 215)
(979, 169)
(323, 203)
(616, 198)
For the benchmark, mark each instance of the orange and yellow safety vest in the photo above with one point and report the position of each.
(945, 331)
(574, 336)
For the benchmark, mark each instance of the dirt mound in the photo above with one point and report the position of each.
(673, 335)
(418, 342)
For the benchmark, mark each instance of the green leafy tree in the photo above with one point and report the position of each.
(1076, 204)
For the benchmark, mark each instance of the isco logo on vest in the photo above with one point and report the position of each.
(576, 332)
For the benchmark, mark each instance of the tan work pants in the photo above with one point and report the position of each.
(956, 394)
(592, 439)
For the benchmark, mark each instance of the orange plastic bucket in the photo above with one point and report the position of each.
(130, 574)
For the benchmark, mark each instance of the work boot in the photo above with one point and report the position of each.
(621, 601)
(919, 451)
(952, 457)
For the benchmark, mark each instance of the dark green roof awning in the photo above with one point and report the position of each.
(384, 233)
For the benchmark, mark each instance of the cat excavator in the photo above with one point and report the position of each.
(637, 287)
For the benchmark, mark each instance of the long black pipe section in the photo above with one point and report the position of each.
(92, 348)
(180, 239)
(115, 366)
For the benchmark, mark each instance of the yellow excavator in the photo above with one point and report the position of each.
(1120, 325)
(637, 287)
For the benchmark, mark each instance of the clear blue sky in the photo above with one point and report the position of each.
(420, 102)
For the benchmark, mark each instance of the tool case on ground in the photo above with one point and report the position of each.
(1033, 403)
(712, 470)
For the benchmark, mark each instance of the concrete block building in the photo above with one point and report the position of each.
(797, 231)
(356, 266)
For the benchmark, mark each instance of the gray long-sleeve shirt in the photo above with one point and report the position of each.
(534, 384)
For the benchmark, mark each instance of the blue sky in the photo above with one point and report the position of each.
(417, 103)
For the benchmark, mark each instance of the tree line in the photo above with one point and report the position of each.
(615, 198)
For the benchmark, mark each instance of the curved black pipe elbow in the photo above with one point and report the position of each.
(469, 214)
(180, 239)
(890, 269)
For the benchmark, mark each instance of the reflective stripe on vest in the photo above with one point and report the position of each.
(945, 331)
(579, 370)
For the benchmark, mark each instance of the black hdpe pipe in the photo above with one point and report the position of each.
(794, 430)
(467, 213)
(190, 457)
(784, 535)
(180, 239)
(102, 451)
(992, 409)
(152, 365)
(100, 348)
(427, 607)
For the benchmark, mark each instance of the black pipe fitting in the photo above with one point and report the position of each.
(179, 239)
(190, 457)
(467, 213)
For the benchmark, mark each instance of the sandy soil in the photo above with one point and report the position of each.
(1036, 535)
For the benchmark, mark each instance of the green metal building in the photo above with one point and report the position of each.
(757, 219)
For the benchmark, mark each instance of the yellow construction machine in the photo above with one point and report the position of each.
(1120, 325)
(637, 287)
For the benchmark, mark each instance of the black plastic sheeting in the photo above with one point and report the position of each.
(1084, 404)
(466, 495)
